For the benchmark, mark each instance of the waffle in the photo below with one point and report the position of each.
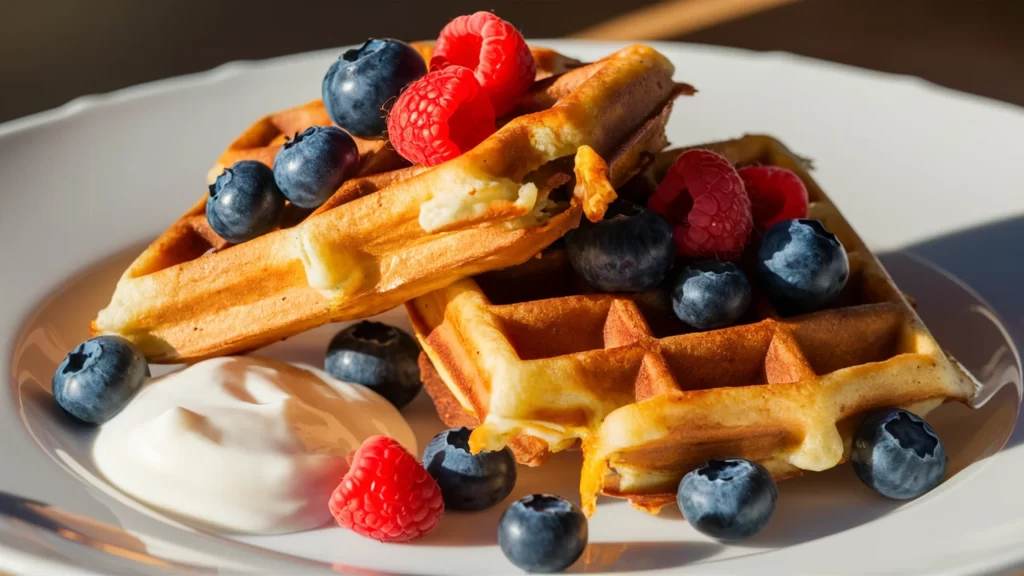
(533, 359)
(397, 231)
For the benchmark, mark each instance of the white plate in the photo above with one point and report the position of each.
(85, 186)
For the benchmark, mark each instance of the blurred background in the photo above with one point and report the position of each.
(54, 50)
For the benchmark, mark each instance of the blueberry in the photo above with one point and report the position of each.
(98, 378)
(803, 266)
(710, 294)
(629, 251)
(311, 166)
(897, 454)
(378, 356)
(360, 87)
(542, 533)
(244, 202)
(468, 481)
(728, 499)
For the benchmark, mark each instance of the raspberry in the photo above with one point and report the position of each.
(703, 198)
(776, 194)
(387, 495)
(494, 50)
(440, 116)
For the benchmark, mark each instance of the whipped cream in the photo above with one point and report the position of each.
(243, 444)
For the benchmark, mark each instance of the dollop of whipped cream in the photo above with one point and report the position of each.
(243, 444)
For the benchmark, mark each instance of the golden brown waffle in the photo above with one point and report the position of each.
(539, 361)
(393, 234)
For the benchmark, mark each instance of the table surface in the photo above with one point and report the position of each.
(54, 50)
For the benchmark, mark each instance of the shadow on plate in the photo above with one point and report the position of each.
(613, 557)
(819, 505)
(988, 259)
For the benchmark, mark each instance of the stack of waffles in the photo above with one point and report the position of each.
(514, 344)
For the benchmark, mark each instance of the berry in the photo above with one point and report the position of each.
(703, 199)
(802, 265)
(440, 116)
(897, 454)
(494, 50)
(468, 481)
(244, 202)
(728, 499)
(629, 251)
(360, 86)
(311, 166)
(710, 294)
(542, 533)
(98, 378)
(776, 194)
(386, 494)
(378, 356)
